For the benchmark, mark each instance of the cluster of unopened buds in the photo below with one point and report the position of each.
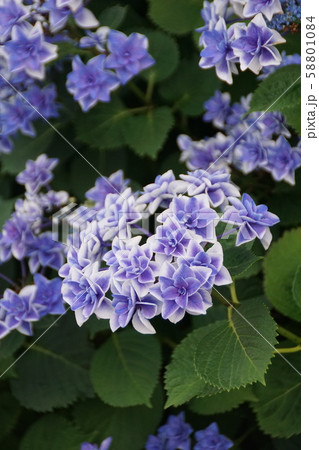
(119, 266)
(30, 32)
(227, 39)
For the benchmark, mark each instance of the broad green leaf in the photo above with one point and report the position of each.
(125, 369)
(102, 127)
(52, 432)
(281, 91)
(296, 287)
(146, 133)
(53, 373)
(237, 352)
(6, 207)
(189, 87)
(9, 413)
(279, 402)
(181, 380)
(164, 50)
(280, 265)
(113, 16)
(222, 401)
(129, 427)
(178, 16)
(10, 344)
(240, 259)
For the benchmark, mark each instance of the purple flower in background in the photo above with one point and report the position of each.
(17, 311)
(194, 214)
(128, 305)
(90, 83)
(155, 443)
(45, 252)
(60, 10)
(267, 7)
(176, 432)
(43, 100)
(6, 144)
(283, 160)
(155, 193)
(105, 445)
(271, 123)
(114, 184)
(48, 297)
(12, 12)
(253, 220)
(212, 258)
(286, 61)
(209, 16)
(237, 111)
(218, 108)
(84, 290)
(16, 115)
(180, 290)
(17, 234)
(28, 51)
(193, 152)
(255, 45)
(128, 54)
(211, 439)
(250, 153)
(218, 51)
(97, 39)
(37, 173)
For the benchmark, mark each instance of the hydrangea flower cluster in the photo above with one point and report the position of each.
(27, 237)
(115, 268)
(291, 15)
(29, 34)
(248, 142)
(252, 45)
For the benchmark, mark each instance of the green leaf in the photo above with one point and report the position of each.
(129, 427)
(189, 87)
(6, 207)
(164, 49)
(53, 373)
(27, 148)
(125, 369)
(222, 401)
(102, 127)
(10, 344)
(237, 352)
(281, 91)
(280, 265)
(177, 17)
(181, 380)
(240, 259)
(296, 287)
(146, 133)
(279, 403)
(113, 16)
(52, 432)
(9, 413)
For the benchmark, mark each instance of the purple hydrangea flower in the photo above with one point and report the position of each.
(37, 173)
(17, 311)
(97, 39)
(267, 7)
(91, 83)
(253, 220)
(52, 199)
(48, 297)
(218, 51)
(194, 214)
(60, 10)
(250, 153)
(212, 258)
(180, 290)
(272, 123)
(128, 54)
(12, 12)
(155, 193)
(286, 61)
(176, 432)
(45, 252)
(211, 439)
(17, 234)
(6, 144)
(128, 305)
(84, 290)
(255, 45)
(209, 16)
(16, 115)
(218, 108)
(28, 51)
(105, 445)
(114, 184)
(283, 160)
(155, 443)
(43, 100)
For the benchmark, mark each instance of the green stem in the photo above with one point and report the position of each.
(130, 111)
(289, 349)
(233, 294)
(150, 87)
(137, 91)
(220, 298)
(289, 335)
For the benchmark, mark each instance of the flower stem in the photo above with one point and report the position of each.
(233, 294)
(137, 91)
(7, 279)
(150, 87)
(289, 335)
(289, 349)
